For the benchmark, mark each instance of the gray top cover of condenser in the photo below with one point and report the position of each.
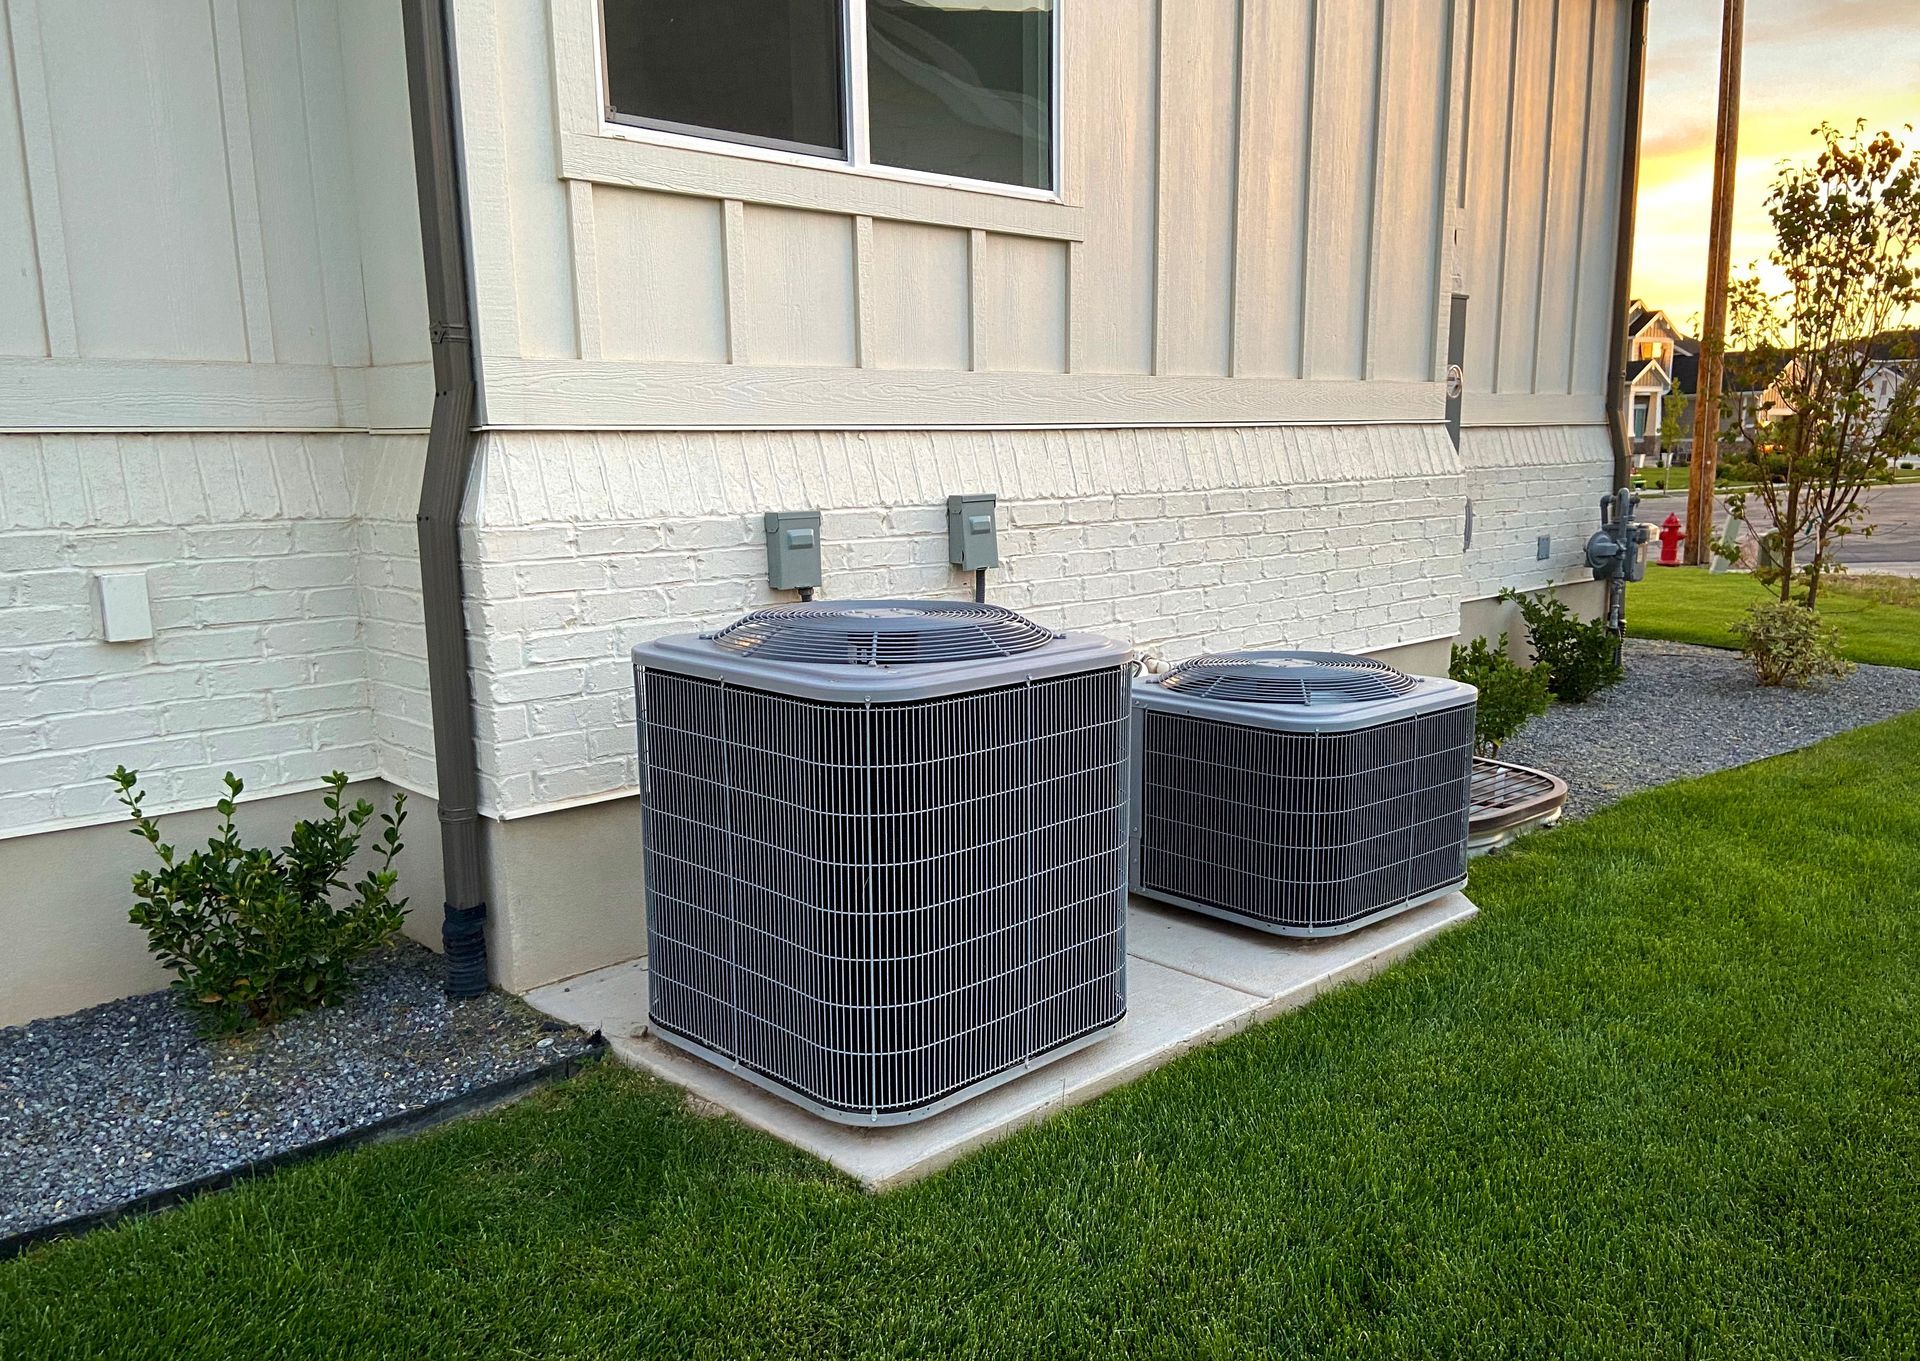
(1327, 692)
(883, 651)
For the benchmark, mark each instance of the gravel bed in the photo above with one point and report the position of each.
(1684, 711)
(123, 1100)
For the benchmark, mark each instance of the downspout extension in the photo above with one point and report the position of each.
(1629, 189)
(443, 488)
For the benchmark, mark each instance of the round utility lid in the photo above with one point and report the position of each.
(1303, 678)
(882, 633)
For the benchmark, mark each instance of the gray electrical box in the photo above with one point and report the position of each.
(973, 542)
(793, 549)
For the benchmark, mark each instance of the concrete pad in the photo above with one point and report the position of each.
(1191, 980)
(1283, 973)
(612, 1000)
(1168, 1014)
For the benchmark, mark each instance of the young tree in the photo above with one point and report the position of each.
(1847, 238)
(1671, 431)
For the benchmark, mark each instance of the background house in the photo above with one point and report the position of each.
(1174, 280)
(1653, 352)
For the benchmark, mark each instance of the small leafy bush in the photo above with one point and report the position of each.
(1577, 654)
(253, 935)
(1790, 645)
(1510, 694)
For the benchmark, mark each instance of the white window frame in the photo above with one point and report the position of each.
(857, 118)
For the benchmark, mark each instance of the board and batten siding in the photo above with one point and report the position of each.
(1265, 204)
(1545, 97)
(207, 217)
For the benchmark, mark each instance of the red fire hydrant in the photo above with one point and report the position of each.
(1670, 536)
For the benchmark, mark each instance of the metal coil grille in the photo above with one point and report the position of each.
(1299, 678)
(882, 633)
(876, 907)
(1304, 831)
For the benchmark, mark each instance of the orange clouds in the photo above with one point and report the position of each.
(1836, 60)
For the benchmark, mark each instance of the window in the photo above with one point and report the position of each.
(957, 89)
(1642, 407)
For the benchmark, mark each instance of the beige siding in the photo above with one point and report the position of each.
(1255, 194)
(1276, 135)
(206, 216)
(22, 324)
(1545, 96)
(1199, 107)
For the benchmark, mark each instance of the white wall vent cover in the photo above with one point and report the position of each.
(1302, 793)
(885, 849)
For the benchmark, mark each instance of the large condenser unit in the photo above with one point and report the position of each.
(885, 849)
(1302, 793)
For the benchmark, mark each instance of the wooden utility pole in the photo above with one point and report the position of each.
(1713, 338)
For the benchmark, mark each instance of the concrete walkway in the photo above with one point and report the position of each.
(1192, 980)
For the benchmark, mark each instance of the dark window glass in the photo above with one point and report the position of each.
(963, 87)
(767, 72)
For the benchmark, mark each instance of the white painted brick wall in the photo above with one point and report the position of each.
(1528, 481)
(257, 572)
(1181, 541)
(286, 595)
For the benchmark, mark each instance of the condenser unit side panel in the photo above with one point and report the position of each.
(874, 907)
(1312, 832)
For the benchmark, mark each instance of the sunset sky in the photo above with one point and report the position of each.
(1806, 60)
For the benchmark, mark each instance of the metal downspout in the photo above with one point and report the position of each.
(1629, 190)
(443, 487)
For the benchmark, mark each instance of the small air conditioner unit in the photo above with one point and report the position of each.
(1302, 793)
(885, 847)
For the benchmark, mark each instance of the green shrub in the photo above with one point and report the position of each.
(253, 935)
(1789, 644)
(1577, 654)
(1510, 693)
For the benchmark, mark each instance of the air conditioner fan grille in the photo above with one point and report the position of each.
(1297, 678)
(882, 633)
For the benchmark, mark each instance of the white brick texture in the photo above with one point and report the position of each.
(1179, 540)
(285, 579)
(1526, 481)
(259, 579)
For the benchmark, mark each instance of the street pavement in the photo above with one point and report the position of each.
(1893, 511)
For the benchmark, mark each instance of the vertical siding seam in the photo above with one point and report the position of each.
(308, 187)
(1466, 97)
(1506, 197)
(484, 181)
(1301, 366)
(342, 275)
(584, 246)
(863, 293)
(243, 188)
(1070, 343)
(1452, 98)
(1236, 170)
(1157, 47)
(1580, 214)
(978, 355)
(43, 180)
(1368, 359)
(1546, 197)
(733, 229)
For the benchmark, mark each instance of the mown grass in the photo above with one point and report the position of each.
(1662, 1099)
(1878, 616)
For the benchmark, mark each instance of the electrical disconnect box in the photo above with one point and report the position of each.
(973, 542)
(793, 549)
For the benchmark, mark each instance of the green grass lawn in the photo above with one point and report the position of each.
(1661, 1100)
(1878, 617)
